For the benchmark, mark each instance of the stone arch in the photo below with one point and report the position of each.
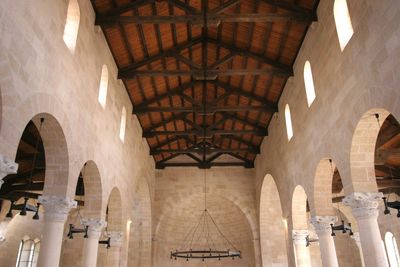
(56, 154)
(299, 208)
(114, 211)
(139, 253)
(362, 153)
(93, 191)
(273, 227)
(323, 188)
(164, 241)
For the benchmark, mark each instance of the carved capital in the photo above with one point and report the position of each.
(7, 167)
(322, 224)
(364, 205)
(96, 226)
(56, 208)
(299, 237)
(115, 238)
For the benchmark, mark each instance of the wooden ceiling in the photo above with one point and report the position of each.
(204, 76)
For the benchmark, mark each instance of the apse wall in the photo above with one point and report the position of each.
(179, 202)
(40, 74)
(347, 85)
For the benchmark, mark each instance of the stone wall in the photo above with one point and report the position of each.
(350, 87)
(40, 76)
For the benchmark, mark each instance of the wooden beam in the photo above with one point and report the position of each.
(208, 110)
(126, 7)
(279, 67)
(204, 165)
(204, 74)
(198, 20)
(207, 133)
(168, 53)
(201, 151)
(290, 7)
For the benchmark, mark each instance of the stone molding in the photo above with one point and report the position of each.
(299, 237)
(96, 226)
(364, 205)
(322, 224)
(115, 238)
(56, 208)
(7, 166)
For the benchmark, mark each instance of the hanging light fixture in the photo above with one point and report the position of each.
(343, 228)
(201, 231)
(25, 206)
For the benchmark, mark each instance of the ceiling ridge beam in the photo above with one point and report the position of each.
(205, 164)
(201, 151)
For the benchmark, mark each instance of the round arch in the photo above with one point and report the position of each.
(362, 152)
(139, 247)
(176, 221)
(273, 227)
(299, 209)
(322, 200)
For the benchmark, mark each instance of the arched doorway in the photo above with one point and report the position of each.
(273, 227)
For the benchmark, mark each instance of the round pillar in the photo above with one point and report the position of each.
(56, 211)
(301, 251)
(365, 209)
(91, 244)
(356, 237)
(322, 225)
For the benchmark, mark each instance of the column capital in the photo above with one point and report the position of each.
(96, 226)
(364, 204)
(322, 224)
(115, 238)
(7, 166)
(56, 208)
(299, 237)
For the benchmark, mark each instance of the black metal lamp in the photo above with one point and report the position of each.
(392, 205)
(106, 242)
(310, 240)
(344, 228)
(73, 230)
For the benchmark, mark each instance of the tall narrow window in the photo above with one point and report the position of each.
(123, 125)
(344, 28)
(28, 252)
(309, 83)
(392, 250)
(103, 86)
(288, 119)
(72, 25)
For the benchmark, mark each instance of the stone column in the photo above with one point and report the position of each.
(365, 209)
(56, 211)
(7, 167)
(322, 225)
(91, 244)
(302, 252)
(356, 237)
(115, 249)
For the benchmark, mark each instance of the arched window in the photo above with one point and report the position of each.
(392, 250)
(103, 86)
(28, 252)
(344, 28)
(288, 119)
(309, 83)
(123, 125)
(72, 25)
